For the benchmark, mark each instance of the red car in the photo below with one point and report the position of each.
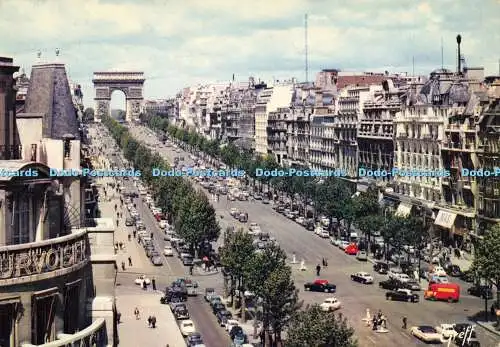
(352, 249)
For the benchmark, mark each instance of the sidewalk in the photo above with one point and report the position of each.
(135, 332)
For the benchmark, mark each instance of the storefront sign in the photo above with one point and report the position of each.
(42, 259)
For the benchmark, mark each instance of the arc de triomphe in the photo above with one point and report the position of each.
(130, 83)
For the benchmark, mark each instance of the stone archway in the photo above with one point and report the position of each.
(130, 83)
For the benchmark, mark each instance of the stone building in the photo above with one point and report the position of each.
(350, 107)
(488, 155)
(376, 129)
(50, 288)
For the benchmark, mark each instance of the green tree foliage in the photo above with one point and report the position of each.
(237, 252)
(279, 299)
(487, 258)
(194, 217)
(314, 327)
(88, 114)
(269, 277)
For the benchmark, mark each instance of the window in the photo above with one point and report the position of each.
(67, 148)
(21, 232)
(33, 152)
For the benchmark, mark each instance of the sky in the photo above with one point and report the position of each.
(180, 43)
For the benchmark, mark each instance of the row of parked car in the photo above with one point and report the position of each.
(176, 296)
(225, 318)
(143, 236)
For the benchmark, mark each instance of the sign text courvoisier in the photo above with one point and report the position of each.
(42, 259)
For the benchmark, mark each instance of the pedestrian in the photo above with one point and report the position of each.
(326, 262)
(153, 283)
(129, 237)
(323, 261)
(117, 222)
(151, 235)
(153, 322)
(123, 266)
(405, 321)
(118, 317)
(191, 270)
(150, 321)
(121, 245)
(134, 232)
(116, 207)
(144, 285)
(318, 269)
(136, 313)
(129, 261)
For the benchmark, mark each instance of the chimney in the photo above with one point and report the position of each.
(459, 67)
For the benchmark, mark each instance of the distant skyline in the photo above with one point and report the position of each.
(182, 43)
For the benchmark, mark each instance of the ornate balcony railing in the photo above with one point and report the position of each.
(93, 336)
(43, 259)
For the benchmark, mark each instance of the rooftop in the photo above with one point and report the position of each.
(49, 94)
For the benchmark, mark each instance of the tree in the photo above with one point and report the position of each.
(88, 114)
(334, 199)
(236, 254)
(314, 327)
(196, 222)
(279, 299)
(487, 259)
(261, 268)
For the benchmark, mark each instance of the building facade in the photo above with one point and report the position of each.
(49, 285)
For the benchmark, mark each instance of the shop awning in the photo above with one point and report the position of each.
(445, 219)
(404, 209)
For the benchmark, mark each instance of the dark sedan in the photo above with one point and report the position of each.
(390, 284)
(223, 316)
(320, 286)
(218, 307)
(402, 295)
(481, 291)
(194, 339)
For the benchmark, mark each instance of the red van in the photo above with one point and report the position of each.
(352, 249)
(443, 291)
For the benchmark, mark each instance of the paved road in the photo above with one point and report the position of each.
(356, 298)
(205, 321)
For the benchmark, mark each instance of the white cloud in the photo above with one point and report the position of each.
(178, 43)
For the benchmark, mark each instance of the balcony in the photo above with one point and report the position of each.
(94, 335)
(8, 152)
(37, 261)
(459, 146)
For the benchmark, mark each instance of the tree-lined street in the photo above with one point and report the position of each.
(355, 298)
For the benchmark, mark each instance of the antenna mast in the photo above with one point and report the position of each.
(306, 48)
(442, 54)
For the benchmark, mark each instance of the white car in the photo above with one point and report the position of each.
(187, 327)
(330, 304)
(334, 241)
(426, 333)
(343, 244)
(142, 279)
(446, 330)
(439, 271)
(324, 234)
(300, 220)
(168, 251)
(230, 324)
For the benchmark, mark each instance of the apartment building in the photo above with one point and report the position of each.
(488, 155)
(376, 129)
(278, 96)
